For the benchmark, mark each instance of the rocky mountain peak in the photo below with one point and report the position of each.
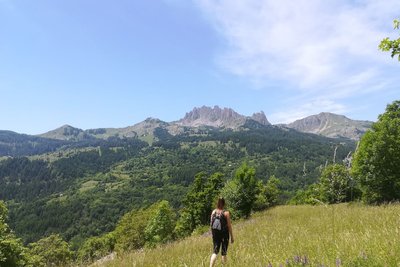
(261, 118)
(219, 117)
(209, 114)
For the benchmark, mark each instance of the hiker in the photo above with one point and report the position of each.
(221, 229)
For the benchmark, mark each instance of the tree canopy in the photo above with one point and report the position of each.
(241, 192)
(377, 160)
(12, 253)
(50, 251)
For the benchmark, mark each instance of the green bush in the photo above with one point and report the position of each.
(261, 202)
(160, 227)
(272, 191)
(145, 227)
(241, 192)
(50, 251)
(129, 233)
(336, 184)
(96, 247)
(310, 196)
(184, 226)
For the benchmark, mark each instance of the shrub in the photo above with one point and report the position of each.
(129, 233)
(160, 227)
(310, 196)
(96, 247)
(336, 184)
(50, 251)
(241, 192)
(148, 226)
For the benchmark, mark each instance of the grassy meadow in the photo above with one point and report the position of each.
(336, 235)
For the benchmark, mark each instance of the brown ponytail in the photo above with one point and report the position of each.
(221, 203)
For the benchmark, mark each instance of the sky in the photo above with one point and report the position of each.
(97, 63)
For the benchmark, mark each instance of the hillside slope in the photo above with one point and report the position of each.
(337, 235)
(15, 145)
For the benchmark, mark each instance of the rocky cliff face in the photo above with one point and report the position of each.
(219, 117)
(331, 125)
(261, 118)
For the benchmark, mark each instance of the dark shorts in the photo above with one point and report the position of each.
(220, 238)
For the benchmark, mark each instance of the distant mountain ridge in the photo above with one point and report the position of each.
(331, 125)
(216, 117)
(67, 132)
(326, 124)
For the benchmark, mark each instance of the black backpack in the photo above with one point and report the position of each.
(218, 221)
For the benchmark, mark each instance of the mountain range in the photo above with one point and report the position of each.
(326, 124)
(194, 122)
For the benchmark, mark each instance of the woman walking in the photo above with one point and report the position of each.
(221, 229)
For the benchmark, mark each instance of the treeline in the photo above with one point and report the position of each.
(371, 175)
(18, 145)
(265, 140)
(15, 145)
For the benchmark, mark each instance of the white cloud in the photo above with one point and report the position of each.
(322, 49)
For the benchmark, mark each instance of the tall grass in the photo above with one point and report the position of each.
(337, 235)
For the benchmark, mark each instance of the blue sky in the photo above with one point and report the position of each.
(95, 64)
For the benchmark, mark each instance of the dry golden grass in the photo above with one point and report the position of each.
(337, 235)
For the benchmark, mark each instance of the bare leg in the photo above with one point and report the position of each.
(223, 259)
(213, 259)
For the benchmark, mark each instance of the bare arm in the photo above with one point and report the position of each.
(228, 220)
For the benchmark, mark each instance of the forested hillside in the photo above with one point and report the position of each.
(83, 188)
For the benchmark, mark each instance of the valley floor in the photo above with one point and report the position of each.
(336, 235)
